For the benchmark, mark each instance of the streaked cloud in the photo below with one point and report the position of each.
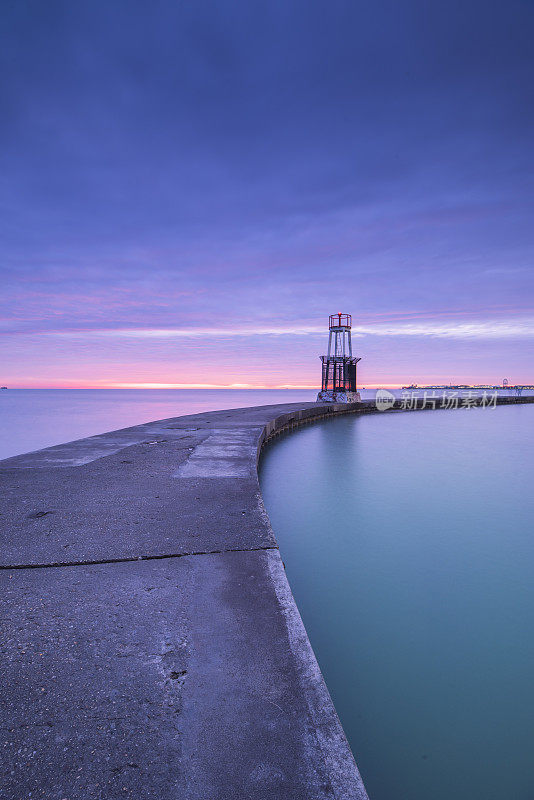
(522, 328)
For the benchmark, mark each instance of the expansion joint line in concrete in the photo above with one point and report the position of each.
(128, 559)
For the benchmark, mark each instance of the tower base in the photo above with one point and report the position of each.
(339, 397)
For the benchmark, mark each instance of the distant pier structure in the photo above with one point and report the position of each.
(339, 365)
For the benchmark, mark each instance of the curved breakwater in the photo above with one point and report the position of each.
(152, 646)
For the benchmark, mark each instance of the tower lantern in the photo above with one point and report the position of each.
(339, 366)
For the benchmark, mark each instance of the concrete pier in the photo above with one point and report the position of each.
(151, 647)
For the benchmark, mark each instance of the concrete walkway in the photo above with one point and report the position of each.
(151, 647)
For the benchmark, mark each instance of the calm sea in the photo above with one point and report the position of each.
(34, 418)
(409, 545)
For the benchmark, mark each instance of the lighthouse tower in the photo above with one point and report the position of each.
(339, 366)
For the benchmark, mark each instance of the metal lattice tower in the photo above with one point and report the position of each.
(339, 365)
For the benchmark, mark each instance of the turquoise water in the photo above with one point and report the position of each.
(408, 540)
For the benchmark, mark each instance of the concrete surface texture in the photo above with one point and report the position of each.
(151, 647)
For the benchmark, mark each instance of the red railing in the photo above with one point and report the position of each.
(340, 320)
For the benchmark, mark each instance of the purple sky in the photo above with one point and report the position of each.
(189, 189)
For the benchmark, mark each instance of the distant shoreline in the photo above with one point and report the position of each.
(467, 387)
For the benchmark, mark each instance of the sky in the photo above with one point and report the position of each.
(189, 189)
